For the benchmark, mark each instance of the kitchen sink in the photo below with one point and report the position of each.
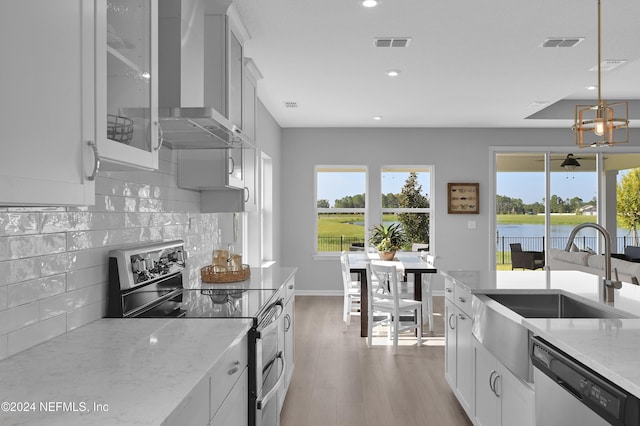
(552, 305)
(498, 321)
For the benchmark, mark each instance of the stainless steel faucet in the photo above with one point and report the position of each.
(607, 283)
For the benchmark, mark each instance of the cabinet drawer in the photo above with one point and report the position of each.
(449, 289)
(463, 300)
(226, 372)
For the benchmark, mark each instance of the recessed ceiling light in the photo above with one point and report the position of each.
(370, 3)
(594, 87)
(377, 118)
(393, 73)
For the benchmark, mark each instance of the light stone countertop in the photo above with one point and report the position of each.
(142, 369)
(610, 347)
(607, 346)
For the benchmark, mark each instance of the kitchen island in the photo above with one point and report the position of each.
(607, 346)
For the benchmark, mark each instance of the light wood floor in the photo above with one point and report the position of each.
(339, 381)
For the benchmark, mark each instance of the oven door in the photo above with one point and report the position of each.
(270, 365)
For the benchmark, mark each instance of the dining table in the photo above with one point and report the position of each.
(410, 262)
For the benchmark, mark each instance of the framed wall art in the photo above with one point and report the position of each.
(463, 198)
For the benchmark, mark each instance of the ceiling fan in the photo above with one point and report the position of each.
(570, 162)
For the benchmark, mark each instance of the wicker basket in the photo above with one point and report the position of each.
(216, 274)
(119, 129)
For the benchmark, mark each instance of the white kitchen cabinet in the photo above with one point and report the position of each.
(224, 61)
(459, 371)
(227, 182)
(204, 169)
(289, 336)
(501, 399)
(127, 84)
(222, 397)
(194, 410)
(250, 92)
(49, 102)
(234, 410)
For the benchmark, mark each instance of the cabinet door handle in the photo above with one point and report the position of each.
(96, 160)
(234, 369)
(461, 317)
(462, 299)
(449, 321)
(247, 194)
(448, 290)
(493, 372)
(287, 323)
(495, 387)
(160, 136)
(232, 164)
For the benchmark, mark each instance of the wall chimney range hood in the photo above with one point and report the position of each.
(185, 121)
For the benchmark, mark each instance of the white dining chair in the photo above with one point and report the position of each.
(385, 299)
(427, 292)
(351, 291)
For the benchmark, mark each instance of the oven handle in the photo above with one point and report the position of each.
(273, 324)
(265, 399)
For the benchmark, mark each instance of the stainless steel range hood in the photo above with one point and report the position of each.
(185, 121)
(198, 128)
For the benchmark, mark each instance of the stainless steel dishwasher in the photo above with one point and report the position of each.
(568, 393)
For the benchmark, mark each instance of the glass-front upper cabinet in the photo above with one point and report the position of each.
(132, 134)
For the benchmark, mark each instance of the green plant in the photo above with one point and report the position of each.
(387, 238)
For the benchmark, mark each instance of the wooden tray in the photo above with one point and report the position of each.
(214, 274)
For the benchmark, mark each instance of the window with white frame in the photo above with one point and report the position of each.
(406, 199)
(341, 203)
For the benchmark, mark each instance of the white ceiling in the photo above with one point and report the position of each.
(469, 63)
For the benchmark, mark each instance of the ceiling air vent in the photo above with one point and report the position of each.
(290, 104)
(391, 41)
(561, 41)
(609, 64)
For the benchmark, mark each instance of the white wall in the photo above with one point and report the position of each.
(458, 155)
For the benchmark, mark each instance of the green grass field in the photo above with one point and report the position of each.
(521, 219)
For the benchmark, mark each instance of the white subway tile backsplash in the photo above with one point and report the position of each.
(72, 300)
(31, 335)
(41, 288)
(18, 247)
(21, 316)
(4, 297)
(85, 315)
(54, 264)
(4, 346)
(88, 258)
(18, 223)
(87, 277)
(13, 271)
(54, 260)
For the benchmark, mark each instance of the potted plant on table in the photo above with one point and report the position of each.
(387, 239)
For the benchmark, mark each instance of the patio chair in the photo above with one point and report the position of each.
(526, 259)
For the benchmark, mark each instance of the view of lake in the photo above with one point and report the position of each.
(531, 236)
(537, 230)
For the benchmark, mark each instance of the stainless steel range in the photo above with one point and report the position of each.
(147, 281)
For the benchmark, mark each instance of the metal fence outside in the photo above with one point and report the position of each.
(340, 243)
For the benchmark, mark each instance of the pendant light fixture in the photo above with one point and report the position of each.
(604, 123)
